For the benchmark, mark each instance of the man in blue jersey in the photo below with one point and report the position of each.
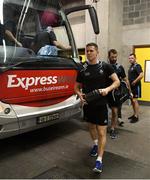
(116, 106)
(135, 74)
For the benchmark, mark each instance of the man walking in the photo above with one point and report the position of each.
(115, 106)
(93, 79)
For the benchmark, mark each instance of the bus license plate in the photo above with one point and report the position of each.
(47, 118)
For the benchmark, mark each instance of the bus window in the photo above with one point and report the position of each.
(51, 38)
(62, 37)
(30, 28)
(11, 19)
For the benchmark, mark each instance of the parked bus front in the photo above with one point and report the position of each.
(37, 66)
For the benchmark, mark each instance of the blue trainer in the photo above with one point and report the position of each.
(98, 167)
(93, 151)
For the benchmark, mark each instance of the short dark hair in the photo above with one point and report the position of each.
(132, 54)
(114, 51)
(92, 44)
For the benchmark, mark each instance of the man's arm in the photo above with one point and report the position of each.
(58, 44)
(77, 89)
(128, 84)
(61, 46)
(12, 38)
(115, 84)
(137, 79)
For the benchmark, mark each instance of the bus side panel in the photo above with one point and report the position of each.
(22, 86)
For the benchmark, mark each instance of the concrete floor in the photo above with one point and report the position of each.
(61, 152)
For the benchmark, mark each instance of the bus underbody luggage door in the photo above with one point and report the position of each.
(31, 118)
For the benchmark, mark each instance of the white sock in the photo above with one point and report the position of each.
(96, 141)
(119, 120)
(99, 158)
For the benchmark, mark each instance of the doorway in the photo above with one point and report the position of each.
(143, 58)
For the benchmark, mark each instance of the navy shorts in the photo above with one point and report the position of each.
(96, 114)
(111, 102)
(136, 91)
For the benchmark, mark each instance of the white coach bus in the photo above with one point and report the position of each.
(36, 80)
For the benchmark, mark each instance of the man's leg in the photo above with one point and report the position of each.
(120, 121)
(119, 111)
(101, 139)
(135, 106)
(114, 117)
(101, 147)
(93, 131)
(114, 111)
(94, 136)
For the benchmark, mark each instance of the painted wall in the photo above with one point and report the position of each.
(134, 35)
(143, 54)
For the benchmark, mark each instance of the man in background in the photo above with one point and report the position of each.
(135, 74)
(115, 106)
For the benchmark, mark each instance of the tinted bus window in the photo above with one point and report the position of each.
(34, 28)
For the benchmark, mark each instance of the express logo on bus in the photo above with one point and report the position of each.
(26, 82)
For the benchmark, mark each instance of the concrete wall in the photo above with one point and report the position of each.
(136, 12)
(115, 26)
(134, 35)
(123, 24)
(102, 8)
(103, 15)
(136, 25)
(110, 26)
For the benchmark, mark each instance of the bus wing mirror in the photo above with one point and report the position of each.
(94, 19)
(92, 12)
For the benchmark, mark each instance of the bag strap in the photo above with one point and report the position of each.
(118, 66)
(86, 64)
